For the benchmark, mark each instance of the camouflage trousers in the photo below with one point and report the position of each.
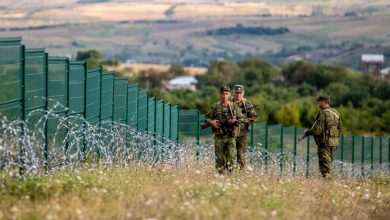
(242, 147)
(325, 158)
(225, 153)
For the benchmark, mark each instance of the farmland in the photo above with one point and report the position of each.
(175, 32)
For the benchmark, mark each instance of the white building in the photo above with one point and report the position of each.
(385, 72)
(372, 63)
(182, 82)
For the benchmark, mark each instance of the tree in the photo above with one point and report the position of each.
(288, 115)
(219, 73)
(297, 72)
(258, 71)
(93, 58)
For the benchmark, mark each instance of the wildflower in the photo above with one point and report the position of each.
(129, 215)
(14, 209)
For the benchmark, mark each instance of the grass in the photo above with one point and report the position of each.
(164, 192)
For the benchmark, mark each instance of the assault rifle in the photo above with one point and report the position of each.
(248, 109)
(222, 124)
(303, 137)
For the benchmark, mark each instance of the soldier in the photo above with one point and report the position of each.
(251, 116)
(224, 117)
(326, 131)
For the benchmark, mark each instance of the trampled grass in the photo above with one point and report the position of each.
(165, 192)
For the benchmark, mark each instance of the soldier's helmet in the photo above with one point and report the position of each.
(323, 97)
(224, 88)
(238, 88)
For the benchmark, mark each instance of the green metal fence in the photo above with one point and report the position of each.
(12, 56)
(107, 97)
(366, 153)
(33, 84)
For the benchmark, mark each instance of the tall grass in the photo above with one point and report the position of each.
(189, 192)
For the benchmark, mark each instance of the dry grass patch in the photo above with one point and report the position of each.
(166, 192)
(159, 68)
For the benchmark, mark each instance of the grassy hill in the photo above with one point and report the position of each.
(167, 31)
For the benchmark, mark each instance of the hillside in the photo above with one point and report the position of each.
(176, 32)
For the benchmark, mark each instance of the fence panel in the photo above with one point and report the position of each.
(107, 93)
(167, 120)
(206, 135)
(151, 115)
(132, 105)
(35, 88)
(93, 99)
(175, 112)
(77, 74)
(189, 125)
(142, 112)
(11, 74)
(159, 117)
(120, 99)
(57, 93)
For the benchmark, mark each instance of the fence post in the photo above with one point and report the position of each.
(197, 133)
(362, 171)
(22, 74)
(388, 152)
(45, 151)
(295, 149)
(307, 155)
(281, 150)
(178, 124)
(23, 86)
(85, 109)
(67, 70)
(155, 123)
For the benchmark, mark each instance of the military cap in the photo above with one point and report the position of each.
(323, 97)
(239, 88)
(224, 88)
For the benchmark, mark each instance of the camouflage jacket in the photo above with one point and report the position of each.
(327, 127)
(224, 114)
(250, 116)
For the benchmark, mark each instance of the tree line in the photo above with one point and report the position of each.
(240, 29)
(285, 94)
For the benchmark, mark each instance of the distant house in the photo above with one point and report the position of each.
(385, 72)
(372, 63)
(295, 58)
(182, 82)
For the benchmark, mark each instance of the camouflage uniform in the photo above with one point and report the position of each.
(326, 131)
(242, 137)
(225, 144)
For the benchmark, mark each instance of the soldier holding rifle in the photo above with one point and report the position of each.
(224, 117)
(326, 131)
(249, 113)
